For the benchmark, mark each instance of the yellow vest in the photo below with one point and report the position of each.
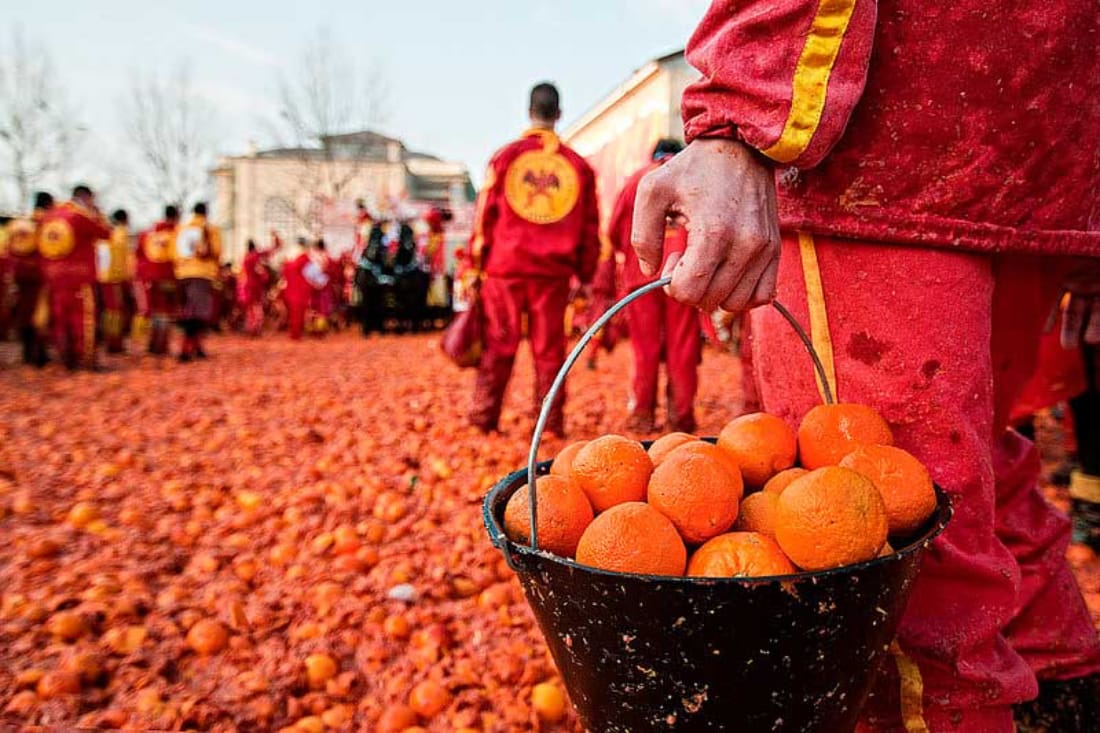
(113, 256)
(191, 239)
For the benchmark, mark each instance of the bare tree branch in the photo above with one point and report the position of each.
(325, 96)
(38, 130)
(172, 128)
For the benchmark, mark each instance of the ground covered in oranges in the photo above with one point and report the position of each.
(285, 535)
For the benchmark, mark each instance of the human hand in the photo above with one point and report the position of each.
(1081, 310)
(725, 196)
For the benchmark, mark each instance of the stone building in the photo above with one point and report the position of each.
(312, 191)
(617, 134)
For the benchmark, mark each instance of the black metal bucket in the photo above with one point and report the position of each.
(638, 653)
(644, 653)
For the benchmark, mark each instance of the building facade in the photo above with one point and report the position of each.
(312, 191)
(617, 135)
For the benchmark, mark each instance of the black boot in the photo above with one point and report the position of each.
(1063, 706)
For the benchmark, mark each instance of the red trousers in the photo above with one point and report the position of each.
(156, 304)
(659, 326)
(505, 302)
(72, 323)
(296, 317)
(941, 343)
(253, 317)
(113, 303)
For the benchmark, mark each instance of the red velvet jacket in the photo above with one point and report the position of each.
(537, 214)
(67, 240)
(153, 258)
(970, 124)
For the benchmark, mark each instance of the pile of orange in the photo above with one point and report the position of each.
(762, 501)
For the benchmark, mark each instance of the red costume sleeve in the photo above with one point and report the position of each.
(485, 215)
(622, 215)
(781, 75)
(588, 255)
(94, 227)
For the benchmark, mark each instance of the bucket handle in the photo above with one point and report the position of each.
(575, 354)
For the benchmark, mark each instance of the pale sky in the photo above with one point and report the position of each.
(457, 72)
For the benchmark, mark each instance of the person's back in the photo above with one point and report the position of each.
(536, 226)
(67, 241)
(197, 255)
(539, 212)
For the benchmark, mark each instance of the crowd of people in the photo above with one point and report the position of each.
(73, 280)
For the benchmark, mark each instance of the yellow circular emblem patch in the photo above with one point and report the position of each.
(541, 187)
(22, 238)
(56, 239)
(158, 246)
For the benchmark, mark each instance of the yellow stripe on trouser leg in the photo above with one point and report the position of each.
(912, 691)
(819, 318)
(87, 296)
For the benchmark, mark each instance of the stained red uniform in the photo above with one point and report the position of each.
(931, 161)
(298, 293)
(67, 242)
(155, 283)
(658, 324)
(114, 280)
(26, 275)
(255, 278)
(536, 226)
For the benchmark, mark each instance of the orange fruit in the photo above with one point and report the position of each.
(780, 481)
(429, 699)
(563, 462)
(697, 492)
(762, 444)
(320, 668)
(903, 481)
(701, 447)
(207, 637)
(664, 445)
(633, 537)
(830, 432)
(740, 555)
(564, 513)
(396, 719)
(886, 550)
(548, 702)
(830, 517)
(612, 470)
(757, 514)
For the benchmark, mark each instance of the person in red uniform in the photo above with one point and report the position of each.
(536, 226)
(114, 279)
(658, 325)
(325, 300)
(928, 175)
(298, 292)
(198, 247)
(28, 279)
(67, 243)
(255, 279)
(155, 282)
(364, 223)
